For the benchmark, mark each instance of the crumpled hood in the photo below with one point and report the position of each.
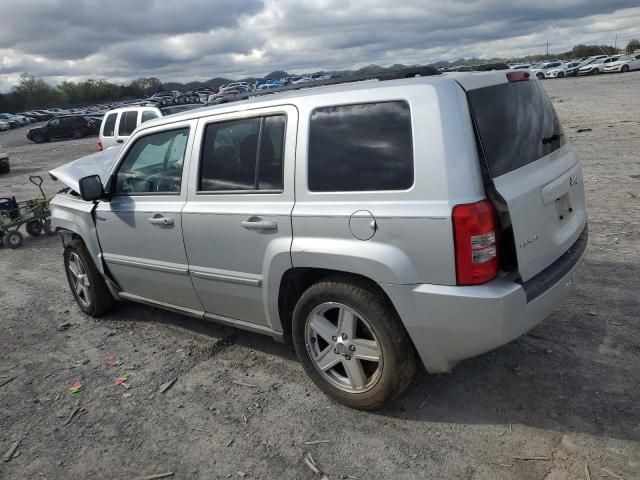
(98, 163)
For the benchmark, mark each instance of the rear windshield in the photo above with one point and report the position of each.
(517, 124)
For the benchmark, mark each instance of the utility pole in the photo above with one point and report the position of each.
(547, 49)
(615, 45)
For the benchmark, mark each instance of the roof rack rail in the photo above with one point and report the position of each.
(409, 72)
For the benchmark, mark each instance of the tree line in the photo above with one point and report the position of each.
(33, 93)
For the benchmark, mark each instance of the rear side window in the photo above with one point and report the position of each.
(516, 123)
(148, 115)
(109, 125)
(128, 122)
(361, 147)
(243, 154)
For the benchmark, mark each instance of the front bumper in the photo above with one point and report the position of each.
(448, 324)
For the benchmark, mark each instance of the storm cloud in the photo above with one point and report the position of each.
(120, 40)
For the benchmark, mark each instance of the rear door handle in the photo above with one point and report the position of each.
(120, 140)
(257, 224)
(160, 220)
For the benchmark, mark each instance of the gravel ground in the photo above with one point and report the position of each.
(566, 396)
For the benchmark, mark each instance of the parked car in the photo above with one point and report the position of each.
(4, 126)
(10, 119)
(540, 70)
(623, 64)
(63, 126)
(118, 124)
(597, 66)
(561, 71)
(4, 162)
(318, 215)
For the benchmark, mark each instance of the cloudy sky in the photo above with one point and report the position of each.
(185, 40)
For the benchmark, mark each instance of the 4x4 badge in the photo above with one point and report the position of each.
(573, 180)
(529, 241)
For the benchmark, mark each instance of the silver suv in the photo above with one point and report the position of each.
(375, 224)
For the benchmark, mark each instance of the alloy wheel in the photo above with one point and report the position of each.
(343, 347)
(79, 279)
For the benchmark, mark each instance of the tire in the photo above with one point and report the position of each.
(375, 330)
(93, 298)
(77, 133)
(561, 75)
(48, 229)
(5, 168)
(624, 69)
(540, 76)
(34, 228)
(38, 138)
(13, 239)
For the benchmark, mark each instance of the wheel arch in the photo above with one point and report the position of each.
(296, 280)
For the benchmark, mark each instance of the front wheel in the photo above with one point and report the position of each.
(625, 68)
(561, 75)
(352, 344)
(540, 76)
(87, 285)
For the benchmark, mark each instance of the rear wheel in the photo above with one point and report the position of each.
(87, 285)
(352, 344)
(34, 228)
(624, 69)
(13, 239)
(77, 133)
(5, 168)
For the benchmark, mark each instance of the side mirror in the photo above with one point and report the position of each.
(91, 188)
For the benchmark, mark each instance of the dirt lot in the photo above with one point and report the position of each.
(567, 394)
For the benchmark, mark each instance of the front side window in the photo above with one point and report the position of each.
(361, 147)
(109, 125)
(243, 154)
(153, 164)
(128, 122)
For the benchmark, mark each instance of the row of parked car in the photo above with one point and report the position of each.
(584, 66)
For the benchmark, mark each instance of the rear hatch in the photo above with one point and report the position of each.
(537, 182)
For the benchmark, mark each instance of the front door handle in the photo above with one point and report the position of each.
(256, 223)
(160, 220)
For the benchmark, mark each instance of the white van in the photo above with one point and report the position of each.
(117, 125)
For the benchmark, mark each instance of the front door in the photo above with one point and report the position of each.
(237, 220)
(140, 228)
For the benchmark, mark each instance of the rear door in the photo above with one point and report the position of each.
(533, 168)
(237, 220)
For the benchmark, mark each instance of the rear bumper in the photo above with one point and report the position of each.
(449, 323)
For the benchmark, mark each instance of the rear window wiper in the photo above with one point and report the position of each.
(552, 138)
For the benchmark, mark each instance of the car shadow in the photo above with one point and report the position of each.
(577, 372)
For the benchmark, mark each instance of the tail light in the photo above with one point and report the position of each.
(100, 147)
(475, 232)
(518, 76)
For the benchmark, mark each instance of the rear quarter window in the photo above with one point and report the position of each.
(361, 147)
